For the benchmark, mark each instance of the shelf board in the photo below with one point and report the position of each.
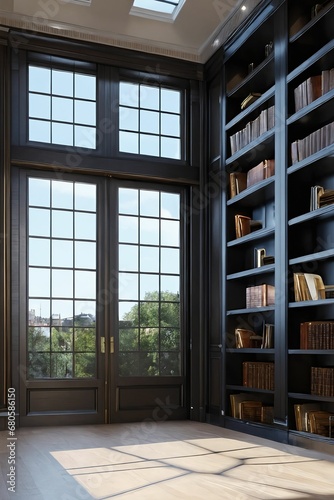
(240, 116)
(318, 111)
(260, 233)
(252, 272)
(252, 76)
(325, 254)
(311, 303)
(247, 310)
(234, 350)
(310, 25)
(242, 388)
(320, 54)
(249, 148)
(319, 213)
(258, 193)
(328, 352)
(325, 154)
(310, 397)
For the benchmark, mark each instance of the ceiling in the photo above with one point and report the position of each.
(199, 29)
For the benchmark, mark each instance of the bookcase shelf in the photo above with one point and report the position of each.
(300, 240)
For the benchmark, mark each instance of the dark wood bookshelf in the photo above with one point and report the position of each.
(325, 254)
(319, 213)
(266, 269)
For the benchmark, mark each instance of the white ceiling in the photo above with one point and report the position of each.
(196, 33)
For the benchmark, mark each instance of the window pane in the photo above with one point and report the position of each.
(149, 259)
(39, 79)
(62, 83)
(85, 112)
(84, 311)
(85, 284)
(129, 364)
(170, 261)
(128, 201)
(170, 148)
(149, 231)
(128, 142)
(149, 203)
(39, 222)
(149, 145)
(128, 286)
(39, 312)
(128, 339)
(149, 314)
(62, 194)
(62, 253)
(149, 339)
(85, 87)
(128, 258)
(85, 365)
(39, 131)
(148, 364)
(170, 100)
(39, 252)
(62, 312)
(39, 192)
(128, 94)
(85, 197)
(39, 365)
(128, 119)
(170, 287)
(39, 106)
(62, 224)
(62, 134)
(85, 137)
(85, 254)
(170, 363)
(170, 339)
(85, 340)
(128, 313)
(62, 109)
(170, 124)
(61, 365)
(149, 287)
(39, 282)
(170, 314)
(128, 229)
(170, 206)
(38, 338)
(85, 226)
(149, 122)
(170, 233)
(62, 283)
(149, 97)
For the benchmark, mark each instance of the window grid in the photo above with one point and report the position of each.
(88, 130)
(59, 345)
(150, 354)
(127, 130)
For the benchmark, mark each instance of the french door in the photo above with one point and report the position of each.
(98, 299)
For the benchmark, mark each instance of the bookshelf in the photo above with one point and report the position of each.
(301, 55)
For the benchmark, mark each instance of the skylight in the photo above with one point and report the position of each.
(162, 10)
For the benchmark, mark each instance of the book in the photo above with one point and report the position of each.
(317, 335)
(267, 414)
(245, 225)
(259, 254)
(262, 171)
(252, 96)
(238, 182)
(268, 336)
(247, 339)
(236, 399)
(308, 286)
(301, 414)
(250, 410)
(258, 375)
(260, 296)
(319, 422)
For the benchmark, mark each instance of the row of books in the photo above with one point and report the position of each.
(258, 375)
(314, 142)
(309, 286)
(317, 335)
(248, 339)
(311, 418)
(322, 381)
(247, 407)
(254, 129)
(260, 296)
(320, 197)
(313, 88)
(242, 180)
(245, 225)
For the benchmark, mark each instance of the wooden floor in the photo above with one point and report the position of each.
(160, 461)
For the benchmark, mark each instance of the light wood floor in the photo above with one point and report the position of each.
(160, 461)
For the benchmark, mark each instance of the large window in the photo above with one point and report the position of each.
(62, 279)
(149, 283)
(149, 120)
(62, 107)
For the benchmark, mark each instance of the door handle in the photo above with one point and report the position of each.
(112, 345)
(103, 345)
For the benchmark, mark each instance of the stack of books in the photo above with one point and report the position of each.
(258, 374)
(246, 339)
(245, 225)
(248, 406)
(302, 417)
(260, 296)
(252, 96)
(313, 88)
(308, 286)
(317, 335)
(322, 381)
(311, 418)
(254, 129)
(321, 138)
(320, 197)
(262, 171)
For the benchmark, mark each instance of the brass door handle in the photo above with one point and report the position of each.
(112, 345)
(103, 345)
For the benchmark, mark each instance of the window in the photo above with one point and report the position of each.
(62, 279)
(149, 283)
(161, 10)
(62, 107)
(150, 120)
